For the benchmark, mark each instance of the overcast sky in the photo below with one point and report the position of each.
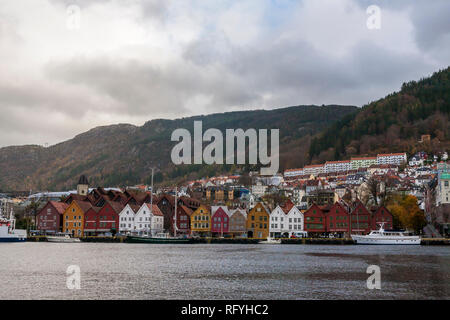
(130, 61)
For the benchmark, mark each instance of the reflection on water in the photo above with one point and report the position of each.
(144, 271)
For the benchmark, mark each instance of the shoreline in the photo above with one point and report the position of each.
(298, 241)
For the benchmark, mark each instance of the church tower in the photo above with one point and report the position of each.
(83, 186)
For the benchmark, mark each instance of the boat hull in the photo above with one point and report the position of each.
(412, 240)
(13, 239)
(158, 240)
(63, 240)
(270, 242)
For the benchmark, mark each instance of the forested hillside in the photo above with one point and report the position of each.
(394, 123)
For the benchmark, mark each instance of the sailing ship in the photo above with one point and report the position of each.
(381, 236)
(162, 238)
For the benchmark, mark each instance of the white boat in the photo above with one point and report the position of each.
(8, 231)
(270, 240)
(381, 236)
(65, 238)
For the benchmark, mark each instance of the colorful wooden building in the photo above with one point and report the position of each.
(73, 217)
(201, 221)
(361, 219)
(258, 222)
(220, 220)
(381, 214)
(50, 217)
(238, 223)
(315, 220)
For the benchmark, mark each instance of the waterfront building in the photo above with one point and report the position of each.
(91, 221)
(220, 220)
(258, 222)
(315, 219)
(166, 203)
(238, 222)
(108, 217)
(295, 220)
(278, 223)
(183, 220)
(73, 217)
(285, 220)
(50, 217)
(149, 220)
(361, 219)
(126, 219)
(201, 221)
(156, 219)
(338, 220)
(381, 214)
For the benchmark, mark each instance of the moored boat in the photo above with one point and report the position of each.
(270, 240)
(162, 238)
(381, 236)
(62, 238)
(8, 231)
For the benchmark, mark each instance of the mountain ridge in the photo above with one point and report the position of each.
(123, 153)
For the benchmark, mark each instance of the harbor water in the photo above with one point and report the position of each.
(222, 271)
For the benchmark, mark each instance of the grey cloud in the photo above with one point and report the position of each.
(212, 74)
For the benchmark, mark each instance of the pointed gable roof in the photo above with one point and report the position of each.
(59, 206)
(154, 209)
(83, 205)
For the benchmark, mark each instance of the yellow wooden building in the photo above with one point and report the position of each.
(201, 221)
(258, 222)
(73, 218)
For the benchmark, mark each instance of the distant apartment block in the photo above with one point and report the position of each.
(391, 158)
(362, 162)
(337, 166)
(314, 169)
(293, 173)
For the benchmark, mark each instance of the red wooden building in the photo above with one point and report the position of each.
(338, 220)
(104, 219)
(220, 221)
(361, 219)
(50, 217)
(381, 214)
(183, 220)
(315, 219)
(91, 221)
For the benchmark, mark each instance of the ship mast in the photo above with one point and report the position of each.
(175, 216)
